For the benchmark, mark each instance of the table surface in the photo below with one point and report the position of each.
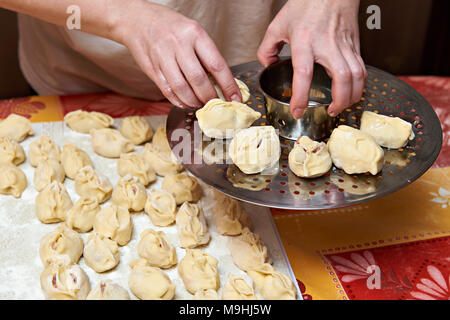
(402, 240)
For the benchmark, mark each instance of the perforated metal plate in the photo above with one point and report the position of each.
(384, 94)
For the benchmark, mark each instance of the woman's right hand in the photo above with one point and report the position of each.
(175, 52)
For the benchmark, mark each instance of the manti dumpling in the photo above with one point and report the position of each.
(12, 180)
(133, 164)
(164, 162)
(236, 288)
(272, 284)
(136, 129)
(109, 143)
(222, 119)
(64, 280)
(73, 159)
(309, 159)
(255, 149)
(11, 152)
(52, 203)
(198, 270)
(389, 132)
(42, 149)
(82, 214)
(84, 121)
(156, 249)
(248, 251)
(149, 283)
(206, 294)
(245, 92)
(129, 193)
(160, 139)
(161, 207)
(101, 253)
(88, 183)
(61, 241)
(183, 187)
(355, 151)
(108, 290)
(16, 127)
(46, 172)
(191, 226)
(115, 223)
(229, 216)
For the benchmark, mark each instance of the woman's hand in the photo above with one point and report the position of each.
(325, 32)
(176, 53)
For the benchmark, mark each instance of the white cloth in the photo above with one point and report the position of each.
(56, 60)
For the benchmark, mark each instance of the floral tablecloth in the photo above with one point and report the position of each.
(396, 247)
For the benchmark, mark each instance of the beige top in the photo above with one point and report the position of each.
(56, 60)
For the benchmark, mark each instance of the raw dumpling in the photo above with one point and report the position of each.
(43, 149)
(82, 214)
(222, 119)
(84, 122)
(206, 294)
(108, 290)
(129, 193)
(12, 180)
(272, 284)
(245, 92)
(52, 203)
(132, 164)
(149, 283)
(198, 270)
(191, 226)
(248, 251)
(355, 151)
(183, 187)
(162, 161)
(73, 159)
(63, 280)
(88, 183)
(160, 139)
(161, 207)
(136, 129)
(156, 249)
(115, 223)
(16, 127)
(309, 159)
(109, 143)
(61, 241)
(237, 288)
(229, 216)
(255, 149)
(101, 253)
(389, 132)
(46, 172)
(11, 152)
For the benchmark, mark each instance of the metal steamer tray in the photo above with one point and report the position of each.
(384, 94)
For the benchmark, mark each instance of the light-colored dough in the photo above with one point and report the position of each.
(129, 193)
(309, 159)
(11, 152)
(161, 207)
(355, 151)
(101, 253)
(16, 127)
(43, 149)
(198, 270)
(206, 294)
(136, 129)
(46, 172)
(156, 249)
(272, 284)
(52, 203)
(12, 180)
(389, 132)
(183, 187)
(133, 164)
(82, 214)
(84, 122)
(160, 139)
(191, 226)
(162, 161)
(229, 216)
(149, 283)
(248, 251)
(61, 241)
(236, 288)
(245, 91)
(88, 183)
(115, 223)
(109, 143)
(255, 149)
(108, 290)
(222, 120)
(73, 159)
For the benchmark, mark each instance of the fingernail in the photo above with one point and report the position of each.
(332, 113)
(235, 97)
(297, 113)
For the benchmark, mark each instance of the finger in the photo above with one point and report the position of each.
(357, 72)
(166, 90)
(269, 48)
(303, 64)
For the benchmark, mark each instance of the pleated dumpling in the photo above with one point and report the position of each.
(183, 187)
(272, 284)
(222, 119)
(11, 152)
(82, 214)
(245, 92)
(136, 129)
(88, 183)
(129, 193)
(156, 249)
(73, 159)
(43, 149)
(84, 121)
(198, 270)
(191, 226)
(206, 294)
(163, 161)
(115, 223)
(61, 241)
(109, 143)
(161, 207)
(108, 290)
(133, 164)
(16, 127)
(160, 139)
(236, 288)
(309, 159)
(52, 203)
(101, 253)
(12, 180)
(229, 216)
(46, 172)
